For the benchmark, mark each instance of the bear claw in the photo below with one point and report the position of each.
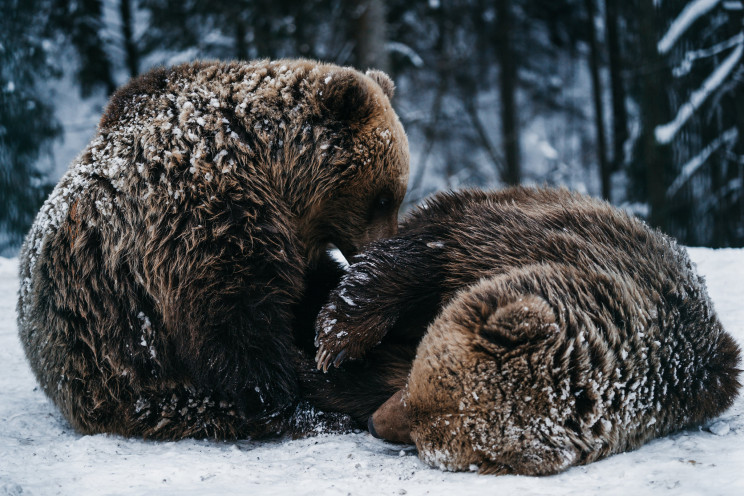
(340, 358)
(320, 357)
(325, 358)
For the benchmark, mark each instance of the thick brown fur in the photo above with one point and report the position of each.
(160, 278)
(550, 330)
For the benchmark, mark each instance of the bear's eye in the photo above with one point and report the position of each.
(381, 205)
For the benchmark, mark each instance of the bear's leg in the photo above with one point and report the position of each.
(320, 280)
(232, 323)
(360, 387)
(224, 283)
(396, 285)
(188, 350)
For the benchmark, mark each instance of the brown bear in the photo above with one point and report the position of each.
(160, 278)
(524, 331)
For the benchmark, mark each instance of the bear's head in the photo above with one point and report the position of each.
(367, 160)
(475, 397)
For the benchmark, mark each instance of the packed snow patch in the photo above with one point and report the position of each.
(40, 454)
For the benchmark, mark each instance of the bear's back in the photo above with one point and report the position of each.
(497, 231)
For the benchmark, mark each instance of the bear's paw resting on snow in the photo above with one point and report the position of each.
(159, 278)
(524, 331)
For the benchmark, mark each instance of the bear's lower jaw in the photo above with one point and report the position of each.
(390, 421)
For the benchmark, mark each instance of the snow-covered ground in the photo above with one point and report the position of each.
(41, 455)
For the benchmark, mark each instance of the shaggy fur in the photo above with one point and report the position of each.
(556, 329)
(160, 277)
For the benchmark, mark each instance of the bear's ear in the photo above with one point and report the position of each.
(387, 84)
(528, 319)
(347, 96)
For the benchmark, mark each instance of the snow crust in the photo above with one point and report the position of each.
(40, 454)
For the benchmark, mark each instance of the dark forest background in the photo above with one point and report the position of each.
(636, 101)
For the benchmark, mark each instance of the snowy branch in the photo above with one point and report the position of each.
(690, 57)
(691, 13)
(667, 132)
(406, 51)
(698, 160)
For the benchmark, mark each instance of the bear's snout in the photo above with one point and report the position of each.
(390, 421)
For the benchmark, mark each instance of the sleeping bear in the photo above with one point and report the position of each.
(160, 279)
(524, 331)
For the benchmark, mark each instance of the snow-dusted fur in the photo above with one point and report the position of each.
(557, 330)
(158, 280)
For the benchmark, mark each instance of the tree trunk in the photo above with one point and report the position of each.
(241, 49)
(472, 109)
(619, 112)
(429, 141)
(508, 85)
(656, 158)
(303, 34)
(737, 209)
(370, 35)
(85, 28)
(604, 166)
(731, 112)
(130, 47)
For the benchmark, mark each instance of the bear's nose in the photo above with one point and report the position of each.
(390, 421)
(371, 427)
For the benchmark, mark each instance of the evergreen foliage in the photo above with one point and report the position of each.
(548, 101)
(27, 123)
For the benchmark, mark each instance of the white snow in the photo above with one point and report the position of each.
(344, 296)
(338, 257)
(720, 428)
(692, 12)
(666, 133)
(40, 454)
(548, 151)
